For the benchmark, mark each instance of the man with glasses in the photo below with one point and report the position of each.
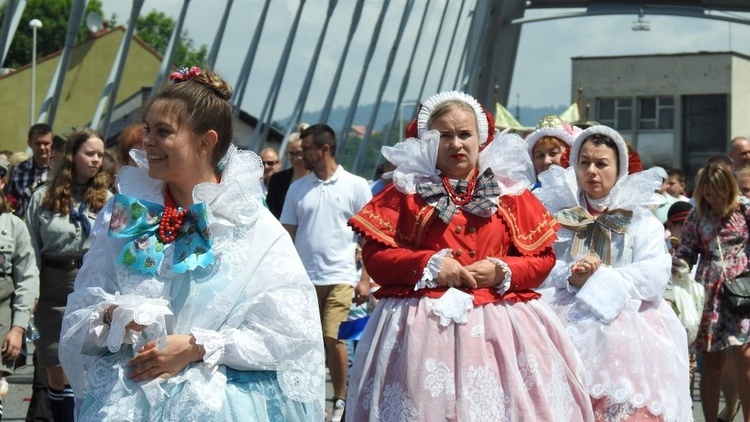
(271, 165)
(316, 210)
(279, 184)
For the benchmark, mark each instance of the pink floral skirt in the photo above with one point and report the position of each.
(505, 362)
(637, 366)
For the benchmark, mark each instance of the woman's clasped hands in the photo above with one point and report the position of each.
(582, 269)
(482, 273)
(150, 362)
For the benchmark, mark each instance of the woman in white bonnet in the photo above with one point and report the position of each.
(457, 243)
(609, 279)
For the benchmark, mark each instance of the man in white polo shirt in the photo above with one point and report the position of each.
(315, 213)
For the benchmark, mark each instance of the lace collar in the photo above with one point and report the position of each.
(415, 160)
(560, 189)
(233, 202)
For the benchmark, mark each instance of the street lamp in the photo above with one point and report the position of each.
(34, 25)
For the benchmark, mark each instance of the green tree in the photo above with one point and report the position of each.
(156, 29)
(51, 37)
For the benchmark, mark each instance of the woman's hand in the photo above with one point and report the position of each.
(583, 269)
(12, 343)
(453, 274)
(151, 363)
(485, 273)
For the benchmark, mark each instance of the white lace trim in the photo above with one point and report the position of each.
(233, 203)
(453, 306)
(415, 161)
(150, 312)
(507, 274)
(622, 149)
(553, 132)
(560, 190)
(431, 271)
(213, 344)
(428, 106)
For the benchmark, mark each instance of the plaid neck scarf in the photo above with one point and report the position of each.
(594, 235)
(481, 203)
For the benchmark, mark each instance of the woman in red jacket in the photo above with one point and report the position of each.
(457, 243)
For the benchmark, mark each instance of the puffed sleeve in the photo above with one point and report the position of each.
(25, 274)
(644, 278)
(276, 325)
(84, 335)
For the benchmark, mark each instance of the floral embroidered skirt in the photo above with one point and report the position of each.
(508, 362)
(246, 396)
(637, 366)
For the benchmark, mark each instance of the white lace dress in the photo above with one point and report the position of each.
(633, 346)
(254, 310)
(441, 358)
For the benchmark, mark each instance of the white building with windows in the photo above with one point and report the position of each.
(676, 109)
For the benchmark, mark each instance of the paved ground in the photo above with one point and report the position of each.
(16, 402)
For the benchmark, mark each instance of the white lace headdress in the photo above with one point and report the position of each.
(415, 158)
(622, 148)
(429, 105)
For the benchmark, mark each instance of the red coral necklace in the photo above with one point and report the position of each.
(171, 219)
(460, 198)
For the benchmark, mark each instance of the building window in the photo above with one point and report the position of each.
(616, 113)
(656, 113)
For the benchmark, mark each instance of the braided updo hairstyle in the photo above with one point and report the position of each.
(202, 101)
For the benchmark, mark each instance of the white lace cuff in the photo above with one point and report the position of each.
(453, 306)
(507, 274)
(149, 312)
(604, 295)
(213, 344)
(97, 327)
(431, 271)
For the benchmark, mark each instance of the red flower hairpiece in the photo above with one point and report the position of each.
(185, 74)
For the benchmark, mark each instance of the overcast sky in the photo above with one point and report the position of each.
(542, 74)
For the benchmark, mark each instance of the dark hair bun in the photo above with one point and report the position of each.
(215, 83)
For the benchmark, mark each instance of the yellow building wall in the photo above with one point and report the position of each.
(87, 74)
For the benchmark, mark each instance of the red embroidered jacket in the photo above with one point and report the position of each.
(402, 232)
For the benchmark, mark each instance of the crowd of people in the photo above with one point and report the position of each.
(539, 278)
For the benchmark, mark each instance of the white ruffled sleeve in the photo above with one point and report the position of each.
(432, 269)
(507, 274)
(84, 336)
(275, 326)
(153, 313)
(644, 279)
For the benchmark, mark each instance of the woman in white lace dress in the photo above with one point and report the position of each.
(608, 283)
(192, 304)
(456, 243)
